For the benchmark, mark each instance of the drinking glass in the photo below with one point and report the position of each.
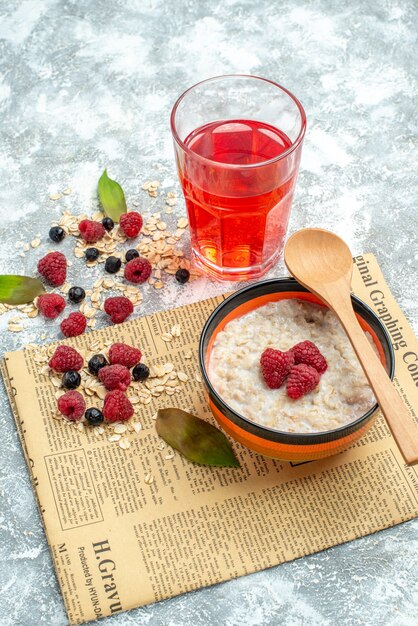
(238, 142)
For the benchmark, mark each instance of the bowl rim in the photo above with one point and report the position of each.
(272, 434)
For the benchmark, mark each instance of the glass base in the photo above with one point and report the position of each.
(234, 273)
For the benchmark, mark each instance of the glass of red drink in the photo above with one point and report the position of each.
(238, 141)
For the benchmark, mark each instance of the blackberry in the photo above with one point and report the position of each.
(91, 254)
(71, 379)
(131, 254)
(56, 233)
(140, 372)
(94, 416)
(108, 223)
(182, 276)
(76, 294)
(112, 264)
(96, 363)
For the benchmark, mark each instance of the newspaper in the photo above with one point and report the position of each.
(120, 539)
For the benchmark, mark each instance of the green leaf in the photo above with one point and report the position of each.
(111, 196)
(19, 289)
(196, 439)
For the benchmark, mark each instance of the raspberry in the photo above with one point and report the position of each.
(115, 377)
(53, 267)
(50, 305)
(130, 224)
(66, 358)
(91, 231)
(302, 379)
(124, 355)
(72, 405)
(275, 366)
(74, 325)
(117, 407)
(118, 308)
(138, 270)
(306, 352)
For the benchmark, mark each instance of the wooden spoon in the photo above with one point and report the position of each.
(322, 263)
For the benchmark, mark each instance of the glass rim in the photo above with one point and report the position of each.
(281, 156)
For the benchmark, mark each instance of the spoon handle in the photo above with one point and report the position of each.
(400, 422)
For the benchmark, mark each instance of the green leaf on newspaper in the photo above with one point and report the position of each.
(196, 439)
(111, 197)
(19, 289)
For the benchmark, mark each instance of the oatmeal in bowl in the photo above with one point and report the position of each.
(281, 376)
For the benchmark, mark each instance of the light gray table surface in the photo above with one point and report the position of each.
(89, 84)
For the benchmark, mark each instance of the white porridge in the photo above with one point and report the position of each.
(343, 393)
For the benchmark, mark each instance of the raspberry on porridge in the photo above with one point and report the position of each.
(342, 395)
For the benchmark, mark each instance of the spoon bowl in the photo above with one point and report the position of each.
(332, 259)
(322, 262)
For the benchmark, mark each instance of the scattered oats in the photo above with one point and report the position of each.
(169, 456)
(124, 444)
(161, 445)
(182, 376)
(115, 437)
(198, 377)
(65, 288)
(154, 417)
(145, 400)
(166, 336)
(59, 393)
(137, 426)
(14, 327)
(171, 202)
(55, 196)
(56, 381)
(182, 222)
(120, 428)
(159, 284)
(35, 242)
(80, 426)
(149, 479)
(26, 247)
(188, 355)
(67, 191)
(175, 331)
(168, 367)
(133, 399)
(161, 225)
(22, 254)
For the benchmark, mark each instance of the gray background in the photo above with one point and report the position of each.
(85, 85)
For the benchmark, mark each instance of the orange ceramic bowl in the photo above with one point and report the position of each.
(274, 443)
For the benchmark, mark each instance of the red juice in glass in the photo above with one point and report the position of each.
(237, 175)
